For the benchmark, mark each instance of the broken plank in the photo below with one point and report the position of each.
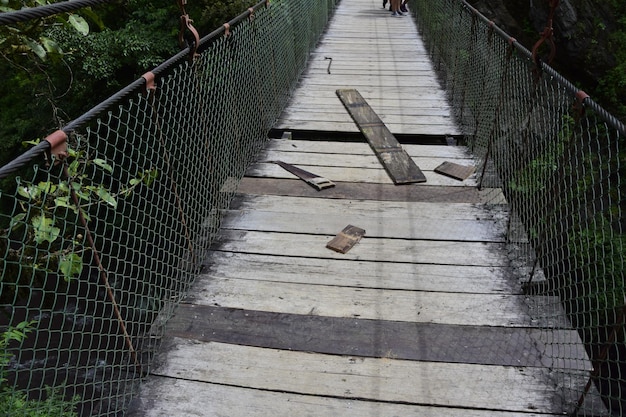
(346, 239)
(392, 156)
(314, 180)
(454, 170)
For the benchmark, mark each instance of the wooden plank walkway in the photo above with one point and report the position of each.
(383, 58)
(424, 316)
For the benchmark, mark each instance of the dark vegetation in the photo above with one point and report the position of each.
(579, 240)
(590, 37)
(55, 69)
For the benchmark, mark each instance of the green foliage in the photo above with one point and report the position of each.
(612, 86)
(48, 224)
(209, 15)
(600, 254)
(15, 402)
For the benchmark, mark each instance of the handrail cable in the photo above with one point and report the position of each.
(47, 10)
(137, 85)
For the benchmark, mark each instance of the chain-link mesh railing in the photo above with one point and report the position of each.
(558, 159)
(98, 247)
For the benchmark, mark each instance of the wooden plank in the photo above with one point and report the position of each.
(389, 380)
(461, 309)
(342, 160)
(392, 156)
(370, 338)
(363, 191)
(346, 239)
(355, 175)
(396, 128)
(454, 170)
(167, 397)
(384, 226)
(361, 148)
(382, 111)
(363, 274)
(338, 119)
(372, 249)
(378, 209)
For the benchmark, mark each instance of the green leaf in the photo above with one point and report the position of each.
(45, 229)
(26, 192)
(70, 266)
(79, 23)
(31, 142)
(134, 181)
(73, 168)
(94, 17)
(64, 202)
(47, 187)
(106, 196)
(64, 187)
(36, 48)
(51, 46)
(150, 176)
(16, 220)
(103, 164)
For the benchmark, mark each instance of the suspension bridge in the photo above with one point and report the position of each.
(362, 215)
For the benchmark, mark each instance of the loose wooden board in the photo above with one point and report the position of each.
(346, 239)
(455, 170)
(389, 380)
(167, 397)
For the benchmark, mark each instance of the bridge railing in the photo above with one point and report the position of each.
(559, 159)
(110, 216)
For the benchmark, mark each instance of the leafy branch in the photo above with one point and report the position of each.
(52, 239)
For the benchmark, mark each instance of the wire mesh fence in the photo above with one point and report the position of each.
(558, 158)
(100, 243)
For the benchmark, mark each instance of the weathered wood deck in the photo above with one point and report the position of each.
(423, 316)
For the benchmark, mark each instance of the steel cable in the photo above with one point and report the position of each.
(24, 15)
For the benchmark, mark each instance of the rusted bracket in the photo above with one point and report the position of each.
(150, 82)
(579, 103)
(547, 37)
(186, 26)
(58, 145)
